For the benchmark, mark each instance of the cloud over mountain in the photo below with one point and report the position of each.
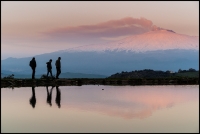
(101, 31)
(157, 49)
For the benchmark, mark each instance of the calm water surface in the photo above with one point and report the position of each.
(88, 108)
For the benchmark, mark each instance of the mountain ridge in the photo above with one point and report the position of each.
(169, 51)
(5, 73)
(149, 41)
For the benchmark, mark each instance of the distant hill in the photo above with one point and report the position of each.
(148, 73)
(188, 74)
(107, 63)
(62, 75)
(81, 75)
(157, 50)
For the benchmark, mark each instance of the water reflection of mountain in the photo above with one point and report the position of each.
(128, 101)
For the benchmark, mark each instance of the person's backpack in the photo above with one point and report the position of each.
(48, 64)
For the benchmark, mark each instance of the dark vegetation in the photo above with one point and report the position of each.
(148, 73)
(44, 76)
(9, 76)
(137, 77)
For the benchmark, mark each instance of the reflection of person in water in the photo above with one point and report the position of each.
(49, 95)
(58, 96)
(33, 99)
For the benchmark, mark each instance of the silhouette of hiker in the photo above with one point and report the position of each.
(58, 67)
(49, 68)
(33, 98)
(58, 96)
(49, 95)
(32, 64)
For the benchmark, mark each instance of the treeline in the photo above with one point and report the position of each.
(189, 70)
(149, 73)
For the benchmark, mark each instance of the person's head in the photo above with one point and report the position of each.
(50, 60)
(33, 58)
(59, 58)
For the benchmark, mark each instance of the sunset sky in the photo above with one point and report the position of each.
(30, 28)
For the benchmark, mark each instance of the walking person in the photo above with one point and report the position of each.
(49, 68)
(32, 64)
(58, 67)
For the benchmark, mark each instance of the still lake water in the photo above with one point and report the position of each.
(88, 108)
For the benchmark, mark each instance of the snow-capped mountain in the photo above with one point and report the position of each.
(150, 41)
(157, 50)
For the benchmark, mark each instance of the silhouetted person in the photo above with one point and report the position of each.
(58, 67)
(33, 66)
(49, 68)
(58, 96)
(33, 99)
(49, 95)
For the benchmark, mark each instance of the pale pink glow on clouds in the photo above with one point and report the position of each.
(96, 33)
(128, 21)
(52, 26)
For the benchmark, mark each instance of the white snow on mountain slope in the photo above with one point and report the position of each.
(150, 41)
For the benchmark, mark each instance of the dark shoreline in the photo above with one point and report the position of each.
(98, 81)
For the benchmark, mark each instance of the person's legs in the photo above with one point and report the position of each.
(57, 72)
(33, 73)
(50, 72)
(47, 72)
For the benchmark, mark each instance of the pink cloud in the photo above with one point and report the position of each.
(113, 28)
(97, 33)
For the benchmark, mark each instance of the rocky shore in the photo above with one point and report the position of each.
(106, 81)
